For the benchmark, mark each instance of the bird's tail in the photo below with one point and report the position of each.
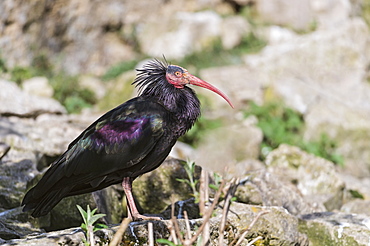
(42, 205)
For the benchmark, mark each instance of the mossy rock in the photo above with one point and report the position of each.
(331, 229)
(153, 191)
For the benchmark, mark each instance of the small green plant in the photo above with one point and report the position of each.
(281, 124)
(89, 217)
(217, 178)
(167, 242)
(190, 171)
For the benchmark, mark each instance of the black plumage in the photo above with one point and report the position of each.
(130, 140)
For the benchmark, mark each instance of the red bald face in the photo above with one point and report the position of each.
(179, 77)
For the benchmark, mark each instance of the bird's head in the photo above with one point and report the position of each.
(177, 76)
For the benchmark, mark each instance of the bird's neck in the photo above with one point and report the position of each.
(183, 104)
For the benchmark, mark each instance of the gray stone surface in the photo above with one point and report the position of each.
(286, 12)
(222, 150)
(273, 228)
(14, 101)
(264, 188)
(335, 229)
(315, 178)
(38, 86)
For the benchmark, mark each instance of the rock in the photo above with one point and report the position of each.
(94, 84)
(335, 228)
(330, 14)
(315, 177)
(275, 34)
(316, 65)
(64, 44)
(72, 236)
(182, 151)
(91, 37)
(38, 139)
(14, 177)
(179, 35)
(153, 190)
(65, 214)
(357, 185)
(118, 91)
(109, 201)
(325, 73)
(227, 147)
(276, 228)
(233, 29)
(357, 206)
(38, 86)
(322, 75)
(239, 82)
(286, 12)
(348, 126)
(14, 101)
(189, 205)
(4, 149)
(15, 224)
(264, 188)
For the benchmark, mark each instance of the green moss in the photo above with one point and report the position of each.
(19, 74)
(40, 66)
(318, 234)
(70, 94)
(281, 124)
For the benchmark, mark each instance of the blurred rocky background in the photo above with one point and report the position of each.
(297, 71)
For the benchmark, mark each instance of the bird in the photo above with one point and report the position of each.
(132, 139)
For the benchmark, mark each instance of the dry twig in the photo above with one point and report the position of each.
(117, 238)
(171, 224)
(177, 229)
(206, 216)
(230, 191)
(187, 223)
(204, 196)
(203, 191)
(150, 234)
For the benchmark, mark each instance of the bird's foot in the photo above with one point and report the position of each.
(138, 217)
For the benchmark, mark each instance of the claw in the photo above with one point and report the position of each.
(139, 217)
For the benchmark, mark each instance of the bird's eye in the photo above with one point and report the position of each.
(177, 73)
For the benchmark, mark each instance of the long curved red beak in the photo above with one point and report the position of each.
(198, 82)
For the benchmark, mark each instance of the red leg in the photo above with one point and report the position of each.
(132, 211)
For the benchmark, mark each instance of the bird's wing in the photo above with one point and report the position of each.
(127, 141)
(118, 140)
